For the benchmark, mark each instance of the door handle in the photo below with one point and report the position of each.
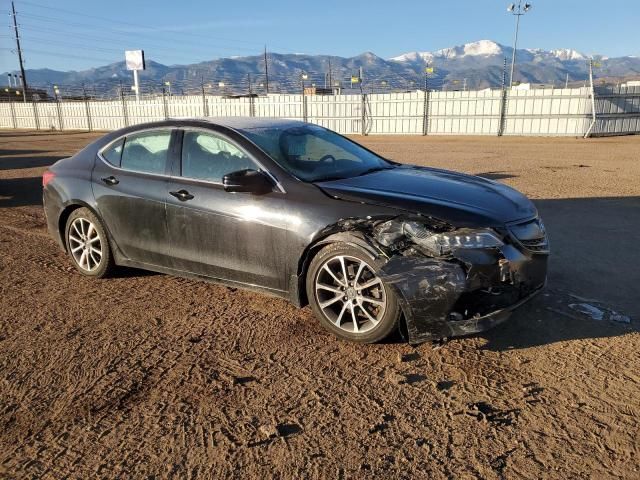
(111, 180)
(182, 195)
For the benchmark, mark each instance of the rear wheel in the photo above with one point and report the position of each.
(348, 296)
(87, 244)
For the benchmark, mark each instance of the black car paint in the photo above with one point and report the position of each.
(264, 242)
(463, 200)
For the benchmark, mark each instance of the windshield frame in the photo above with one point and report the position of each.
(249, 135)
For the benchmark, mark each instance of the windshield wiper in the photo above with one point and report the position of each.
(329, 178)
(372, 170)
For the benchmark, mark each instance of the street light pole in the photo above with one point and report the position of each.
(517, 12)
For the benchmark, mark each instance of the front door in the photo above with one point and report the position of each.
(231, 236)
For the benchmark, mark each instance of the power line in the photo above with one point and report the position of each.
(62, 55)
(105, 40)
(123, 33)
(47, 41)
(112, 21)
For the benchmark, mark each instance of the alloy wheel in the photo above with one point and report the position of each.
(85, 244)
(350, 294)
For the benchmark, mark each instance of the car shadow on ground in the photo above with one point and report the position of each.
(130, 272)
(20, 192)
(594, 257)
(10, 162)
(539, 324)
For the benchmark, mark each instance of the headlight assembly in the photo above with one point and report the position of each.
(443, 243)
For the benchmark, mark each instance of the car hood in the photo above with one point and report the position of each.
(459, 199)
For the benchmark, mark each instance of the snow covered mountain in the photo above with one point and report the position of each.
(487, 48)
(476, 65)
(480, 64)
(481, 48)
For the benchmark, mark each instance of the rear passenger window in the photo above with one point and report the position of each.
(146, 152)
(113, 153)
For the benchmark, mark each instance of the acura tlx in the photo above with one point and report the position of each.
(295, 210)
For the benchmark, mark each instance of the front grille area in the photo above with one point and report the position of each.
(539, 245)
(531, 235)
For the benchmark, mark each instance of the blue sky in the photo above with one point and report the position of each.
(77, 34)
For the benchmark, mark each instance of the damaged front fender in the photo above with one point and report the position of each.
(427, 289)
(469, 292)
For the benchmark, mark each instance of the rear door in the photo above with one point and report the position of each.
(130, 182)
(230, 236)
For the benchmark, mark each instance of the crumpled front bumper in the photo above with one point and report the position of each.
(470, 292)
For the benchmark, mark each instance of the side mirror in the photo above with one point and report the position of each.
(250, 181)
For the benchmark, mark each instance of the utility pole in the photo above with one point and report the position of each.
(24, 77)
(517, 11)
(503, 99)
(266, 71)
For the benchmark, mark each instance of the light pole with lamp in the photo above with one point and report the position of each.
(303, 77)
(516, 11)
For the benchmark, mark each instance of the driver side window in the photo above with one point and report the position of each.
(206, 156)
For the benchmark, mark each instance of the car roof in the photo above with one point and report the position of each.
(244, 123)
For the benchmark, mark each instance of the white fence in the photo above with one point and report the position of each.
(548, 112)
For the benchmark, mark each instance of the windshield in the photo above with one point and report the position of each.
(313, 153)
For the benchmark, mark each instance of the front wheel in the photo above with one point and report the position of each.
(348, 296)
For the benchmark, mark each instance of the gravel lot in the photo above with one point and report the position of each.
(146, 375)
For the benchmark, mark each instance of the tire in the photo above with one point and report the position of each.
(87, 244)
(335, 304)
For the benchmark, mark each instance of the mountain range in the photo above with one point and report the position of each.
(472, 65)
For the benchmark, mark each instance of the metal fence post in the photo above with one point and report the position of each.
(164, 104)
(205, 110)
(251, 105)
(593, 101)
(304, 106)
(363, 116)
(36, 118)
(125, 116)
(503, 100)
(59, 110)
(13, 114)
(425, 106)
(86, 108)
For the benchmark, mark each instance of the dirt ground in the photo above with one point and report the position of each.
(145, 375)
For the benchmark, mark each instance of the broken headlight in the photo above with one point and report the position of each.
(443, 243)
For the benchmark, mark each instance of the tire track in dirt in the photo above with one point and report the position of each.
(147, 375)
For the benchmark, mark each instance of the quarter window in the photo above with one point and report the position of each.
(113, 153)
(208, 157)
(146, 151)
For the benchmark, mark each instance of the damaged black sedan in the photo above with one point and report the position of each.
(298, 211)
